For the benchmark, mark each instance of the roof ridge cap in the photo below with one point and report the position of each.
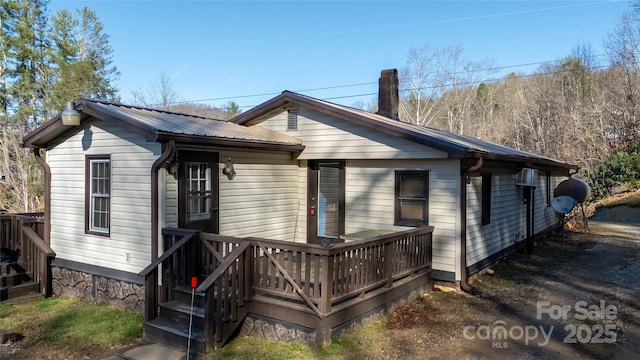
(108, 103)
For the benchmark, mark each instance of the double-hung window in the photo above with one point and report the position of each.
(98, 197)
(412, 199)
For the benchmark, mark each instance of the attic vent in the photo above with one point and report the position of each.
(292, 119)
(527, 177)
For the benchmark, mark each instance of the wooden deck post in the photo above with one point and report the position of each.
(151, 295)
(327, 284)
(388, 264)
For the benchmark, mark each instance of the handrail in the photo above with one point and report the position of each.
(38, 242)
(36, 253)
(340, 247)
(187, 235)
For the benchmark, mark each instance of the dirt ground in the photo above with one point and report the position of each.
(576, 297)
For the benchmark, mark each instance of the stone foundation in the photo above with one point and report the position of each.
(95, 288)
(271, 329)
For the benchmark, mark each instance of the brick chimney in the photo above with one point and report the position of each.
(388, 94)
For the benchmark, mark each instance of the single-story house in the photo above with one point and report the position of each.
(295, 170)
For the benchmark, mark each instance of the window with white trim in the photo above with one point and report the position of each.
(99, 195)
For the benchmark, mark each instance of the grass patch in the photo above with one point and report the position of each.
(71, 324)
(260, 349)
(362, 343)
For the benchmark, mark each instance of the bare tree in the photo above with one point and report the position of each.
(159, 95)
(623, 45)
(438, 86)
(162, 96)
(420, 86)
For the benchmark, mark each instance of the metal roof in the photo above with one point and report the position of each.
(157, 125)
(457, 146)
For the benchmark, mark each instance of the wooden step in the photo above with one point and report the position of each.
(33, 297)
(10, 268)
(183, 294)
(179, 311)
(176, 334)
(7, 255)
(11, 292)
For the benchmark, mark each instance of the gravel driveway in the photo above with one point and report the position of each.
(573, 298)
(584, 306)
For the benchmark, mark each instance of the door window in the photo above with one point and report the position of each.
(199, 191)
(328, 199)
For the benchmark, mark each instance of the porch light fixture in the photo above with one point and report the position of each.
(228, 169)
(70, 116)
(172, 166)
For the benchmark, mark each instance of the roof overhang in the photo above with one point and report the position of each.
(212, 141)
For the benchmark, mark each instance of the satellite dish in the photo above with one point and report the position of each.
(563, 204)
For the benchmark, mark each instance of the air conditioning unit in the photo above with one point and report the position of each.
(527, 177)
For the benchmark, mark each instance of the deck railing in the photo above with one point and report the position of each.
(24, 234)
(232, 271)
(222, 266)
(322, 277)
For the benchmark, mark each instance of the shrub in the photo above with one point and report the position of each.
(620, 170)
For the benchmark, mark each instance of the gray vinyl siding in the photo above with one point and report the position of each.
(370, 201)
(131, 161)
(545, 216)
(262, 200)
(507, 220)
(326, 137)
(370, 177)
(508, 214)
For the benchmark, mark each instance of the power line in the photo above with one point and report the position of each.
(440, 86)
(276, 93)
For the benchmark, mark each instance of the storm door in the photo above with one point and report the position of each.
(326, 202)
(198, 191)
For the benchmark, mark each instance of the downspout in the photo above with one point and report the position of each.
(532, 218)
(166, 155)
(463, 225)
(47, 195)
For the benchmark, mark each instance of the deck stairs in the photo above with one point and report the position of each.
(16, 284)
(171, 327)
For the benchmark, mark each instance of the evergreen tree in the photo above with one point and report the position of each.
(40, 69)
(231, 109)
(83, 59)
(27, 62)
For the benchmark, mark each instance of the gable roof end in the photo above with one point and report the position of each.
(456, 146)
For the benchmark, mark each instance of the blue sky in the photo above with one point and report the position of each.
(230, 50)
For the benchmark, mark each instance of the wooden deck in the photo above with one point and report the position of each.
(311, 286)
